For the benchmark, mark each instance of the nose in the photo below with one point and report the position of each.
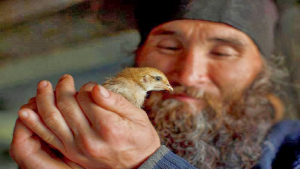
(192, 68)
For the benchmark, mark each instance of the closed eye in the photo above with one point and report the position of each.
(169, 45)
(224, 51)
(174, 48)
(220, 54)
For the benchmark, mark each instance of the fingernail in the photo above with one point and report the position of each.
(63, 77)
(42, 84)
(104, 92)
(23, 114)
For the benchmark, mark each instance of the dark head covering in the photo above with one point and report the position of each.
(256, 18)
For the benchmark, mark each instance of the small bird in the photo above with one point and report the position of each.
(133, 83)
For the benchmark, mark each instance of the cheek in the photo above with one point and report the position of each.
(234, 77)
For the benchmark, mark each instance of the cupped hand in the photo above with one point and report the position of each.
(95, 127)
(30, 152)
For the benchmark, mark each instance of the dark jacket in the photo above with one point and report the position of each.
(281, 150)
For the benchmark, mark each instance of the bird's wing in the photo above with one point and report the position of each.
(114, 84)
(126, 88)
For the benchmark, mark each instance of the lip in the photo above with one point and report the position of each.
(200, 103)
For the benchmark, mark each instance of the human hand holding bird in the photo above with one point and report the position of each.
(95, 127)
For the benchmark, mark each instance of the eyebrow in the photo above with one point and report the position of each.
(231, 41)
(164, 32)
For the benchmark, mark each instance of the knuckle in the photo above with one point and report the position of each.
(88, 147)
(114, 132)
(120, 101)
(111, 132)
(49, 138)
(64, 104)
(51, 119)
(34, 126)
(92, 151)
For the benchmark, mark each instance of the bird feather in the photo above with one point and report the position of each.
(134, 83)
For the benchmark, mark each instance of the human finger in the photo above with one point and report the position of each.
(96, 114)
(31, 100)
(35, 124)
(72, 164)
(49, 113)
(68, 106)
(26, 150)
(116, 103)
(31, 106)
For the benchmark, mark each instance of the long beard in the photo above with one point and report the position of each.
(229, 137)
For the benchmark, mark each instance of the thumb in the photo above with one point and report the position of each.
(116, 103)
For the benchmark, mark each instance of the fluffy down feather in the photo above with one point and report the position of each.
(134, 83)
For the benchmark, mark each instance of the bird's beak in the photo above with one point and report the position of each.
(168, 87)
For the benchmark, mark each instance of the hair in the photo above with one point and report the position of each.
(279, 77)
(213, 138)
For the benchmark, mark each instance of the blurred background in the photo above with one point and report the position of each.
(91, 40)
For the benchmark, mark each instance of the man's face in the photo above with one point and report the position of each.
(218, 105)
(212, 57)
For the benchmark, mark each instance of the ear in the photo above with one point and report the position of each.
(146, 79)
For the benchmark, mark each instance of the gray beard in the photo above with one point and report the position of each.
(227, 138)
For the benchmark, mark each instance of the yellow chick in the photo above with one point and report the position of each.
(134, 83)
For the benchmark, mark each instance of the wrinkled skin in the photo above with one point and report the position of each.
(92, 130)
(210, 56)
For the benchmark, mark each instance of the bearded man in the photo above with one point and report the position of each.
(222, 113)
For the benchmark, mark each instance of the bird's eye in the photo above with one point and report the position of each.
(158, 78)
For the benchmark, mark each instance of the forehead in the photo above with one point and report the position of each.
(204, 30)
